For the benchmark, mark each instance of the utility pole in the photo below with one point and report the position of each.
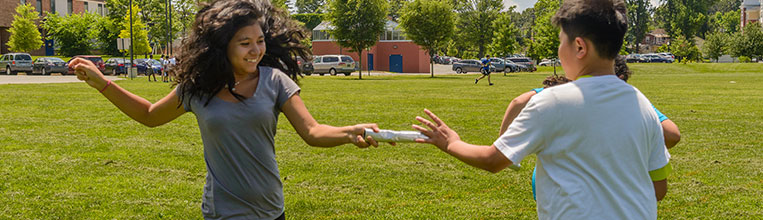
(131, 44)
(169, 3)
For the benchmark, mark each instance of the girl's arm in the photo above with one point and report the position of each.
(515, 107)
(137, 108)
(320, 135)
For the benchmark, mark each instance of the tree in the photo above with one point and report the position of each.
(505, 38)
(474, 22)
(748, 43)
(74, 33)
(638, 18)
(524, 21)
(308, 6)
(140, 34)
(357, 24)
(394, 9)
(687, 18)
(428, 23)
(310, 20)
(545, 34)
(24, 34)
(280, 4)
(714, 45)
(727, 22)
(684, 50)
(725, 6)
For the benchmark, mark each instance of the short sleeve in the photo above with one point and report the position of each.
(659, 156)
(186, 100)
(528, 132)
(286, 87)
(660, 115)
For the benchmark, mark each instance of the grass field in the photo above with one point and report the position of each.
(67, 153)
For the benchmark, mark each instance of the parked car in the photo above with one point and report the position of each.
(116, 66)
(668, 56)
(500, 65)
(48, 65)
(16, 62)
(512, 67)
(550, 62)
(97, 60)
(305, 67)
(654, 58)
(146, 65)
(466, 66)
(333, 64)
(634, 58)
(526, 62)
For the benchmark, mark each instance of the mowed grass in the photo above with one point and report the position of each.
(66, 152)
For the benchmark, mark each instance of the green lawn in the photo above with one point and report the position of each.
(67, 153)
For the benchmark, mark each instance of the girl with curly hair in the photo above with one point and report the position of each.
(237, 74)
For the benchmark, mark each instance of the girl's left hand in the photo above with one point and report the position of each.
(357, 138)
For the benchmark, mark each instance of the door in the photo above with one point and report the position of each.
(370, 61)
(49, 49)
(396, 63)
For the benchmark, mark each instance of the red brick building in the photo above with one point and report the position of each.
(63, 7)
(393, 52)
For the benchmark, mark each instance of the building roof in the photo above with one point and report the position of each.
(325, 25)
(752, 3)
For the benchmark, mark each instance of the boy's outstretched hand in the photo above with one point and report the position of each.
(441, 135)
(88, 72)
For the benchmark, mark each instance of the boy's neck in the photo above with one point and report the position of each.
(596, 67)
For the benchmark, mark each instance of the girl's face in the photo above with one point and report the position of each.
(246, 49)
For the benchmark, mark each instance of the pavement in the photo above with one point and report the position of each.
(32, 79)
(439, 69)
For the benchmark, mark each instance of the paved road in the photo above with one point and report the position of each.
(29, 79)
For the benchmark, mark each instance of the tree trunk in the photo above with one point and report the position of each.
(431, 65)
(360, 62)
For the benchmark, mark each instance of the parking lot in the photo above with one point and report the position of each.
(30, 79)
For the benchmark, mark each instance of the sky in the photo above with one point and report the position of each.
(524, 4)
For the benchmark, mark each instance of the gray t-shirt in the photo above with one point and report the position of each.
(242, 174)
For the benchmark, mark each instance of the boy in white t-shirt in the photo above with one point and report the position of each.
(599, 143)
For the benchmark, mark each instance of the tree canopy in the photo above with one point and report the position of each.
(140, 35)
(24, 34)
(357, 23)
(428, 23)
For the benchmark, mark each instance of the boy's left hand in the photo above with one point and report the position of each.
(441, 135)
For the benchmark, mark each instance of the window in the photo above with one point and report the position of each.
(23, 2)
(347, 59)
(52, 6)
(69, 5)
(100, 9)
(330, 59)
(39, 7)
(86, 8)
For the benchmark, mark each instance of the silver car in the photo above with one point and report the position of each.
(16, 62)
(333, 64)
(48, 65)
(466, 66)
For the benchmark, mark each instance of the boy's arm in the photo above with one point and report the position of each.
(660, 180)
(660, 189)
(484, 157)
(515, 107)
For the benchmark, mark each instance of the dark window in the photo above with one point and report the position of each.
(39, 7)
(69, 5)
(86, 9)
(347, 59)
(23, 2)
(23, 57)
(52, 6)
(330, 59)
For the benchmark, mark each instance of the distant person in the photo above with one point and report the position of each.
(485, 70)
(150, 68)
(600, 148)
(237, 89)
(165, 66)
(172, 63)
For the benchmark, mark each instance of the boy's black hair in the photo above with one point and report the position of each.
(604, 22)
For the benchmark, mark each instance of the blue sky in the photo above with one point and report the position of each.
(524, 4)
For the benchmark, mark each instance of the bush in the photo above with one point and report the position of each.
(744, 59)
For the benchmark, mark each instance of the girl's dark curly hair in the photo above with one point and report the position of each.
(204, 69)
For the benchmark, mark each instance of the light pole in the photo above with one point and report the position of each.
(131, 44)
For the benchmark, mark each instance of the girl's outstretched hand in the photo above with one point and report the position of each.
(363, 142)
(88, 72)
(440, 134)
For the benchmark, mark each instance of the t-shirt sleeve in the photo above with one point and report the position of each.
(660, 115)
(186, 100)
(659, 156)
(527, 133)
(286, 87)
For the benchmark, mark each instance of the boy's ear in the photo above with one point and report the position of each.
(581, 48)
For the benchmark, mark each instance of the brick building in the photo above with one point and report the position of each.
(751, 12)
(63, 7)
(393, 52)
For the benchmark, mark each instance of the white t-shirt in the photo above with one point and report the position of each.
(596, 140)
